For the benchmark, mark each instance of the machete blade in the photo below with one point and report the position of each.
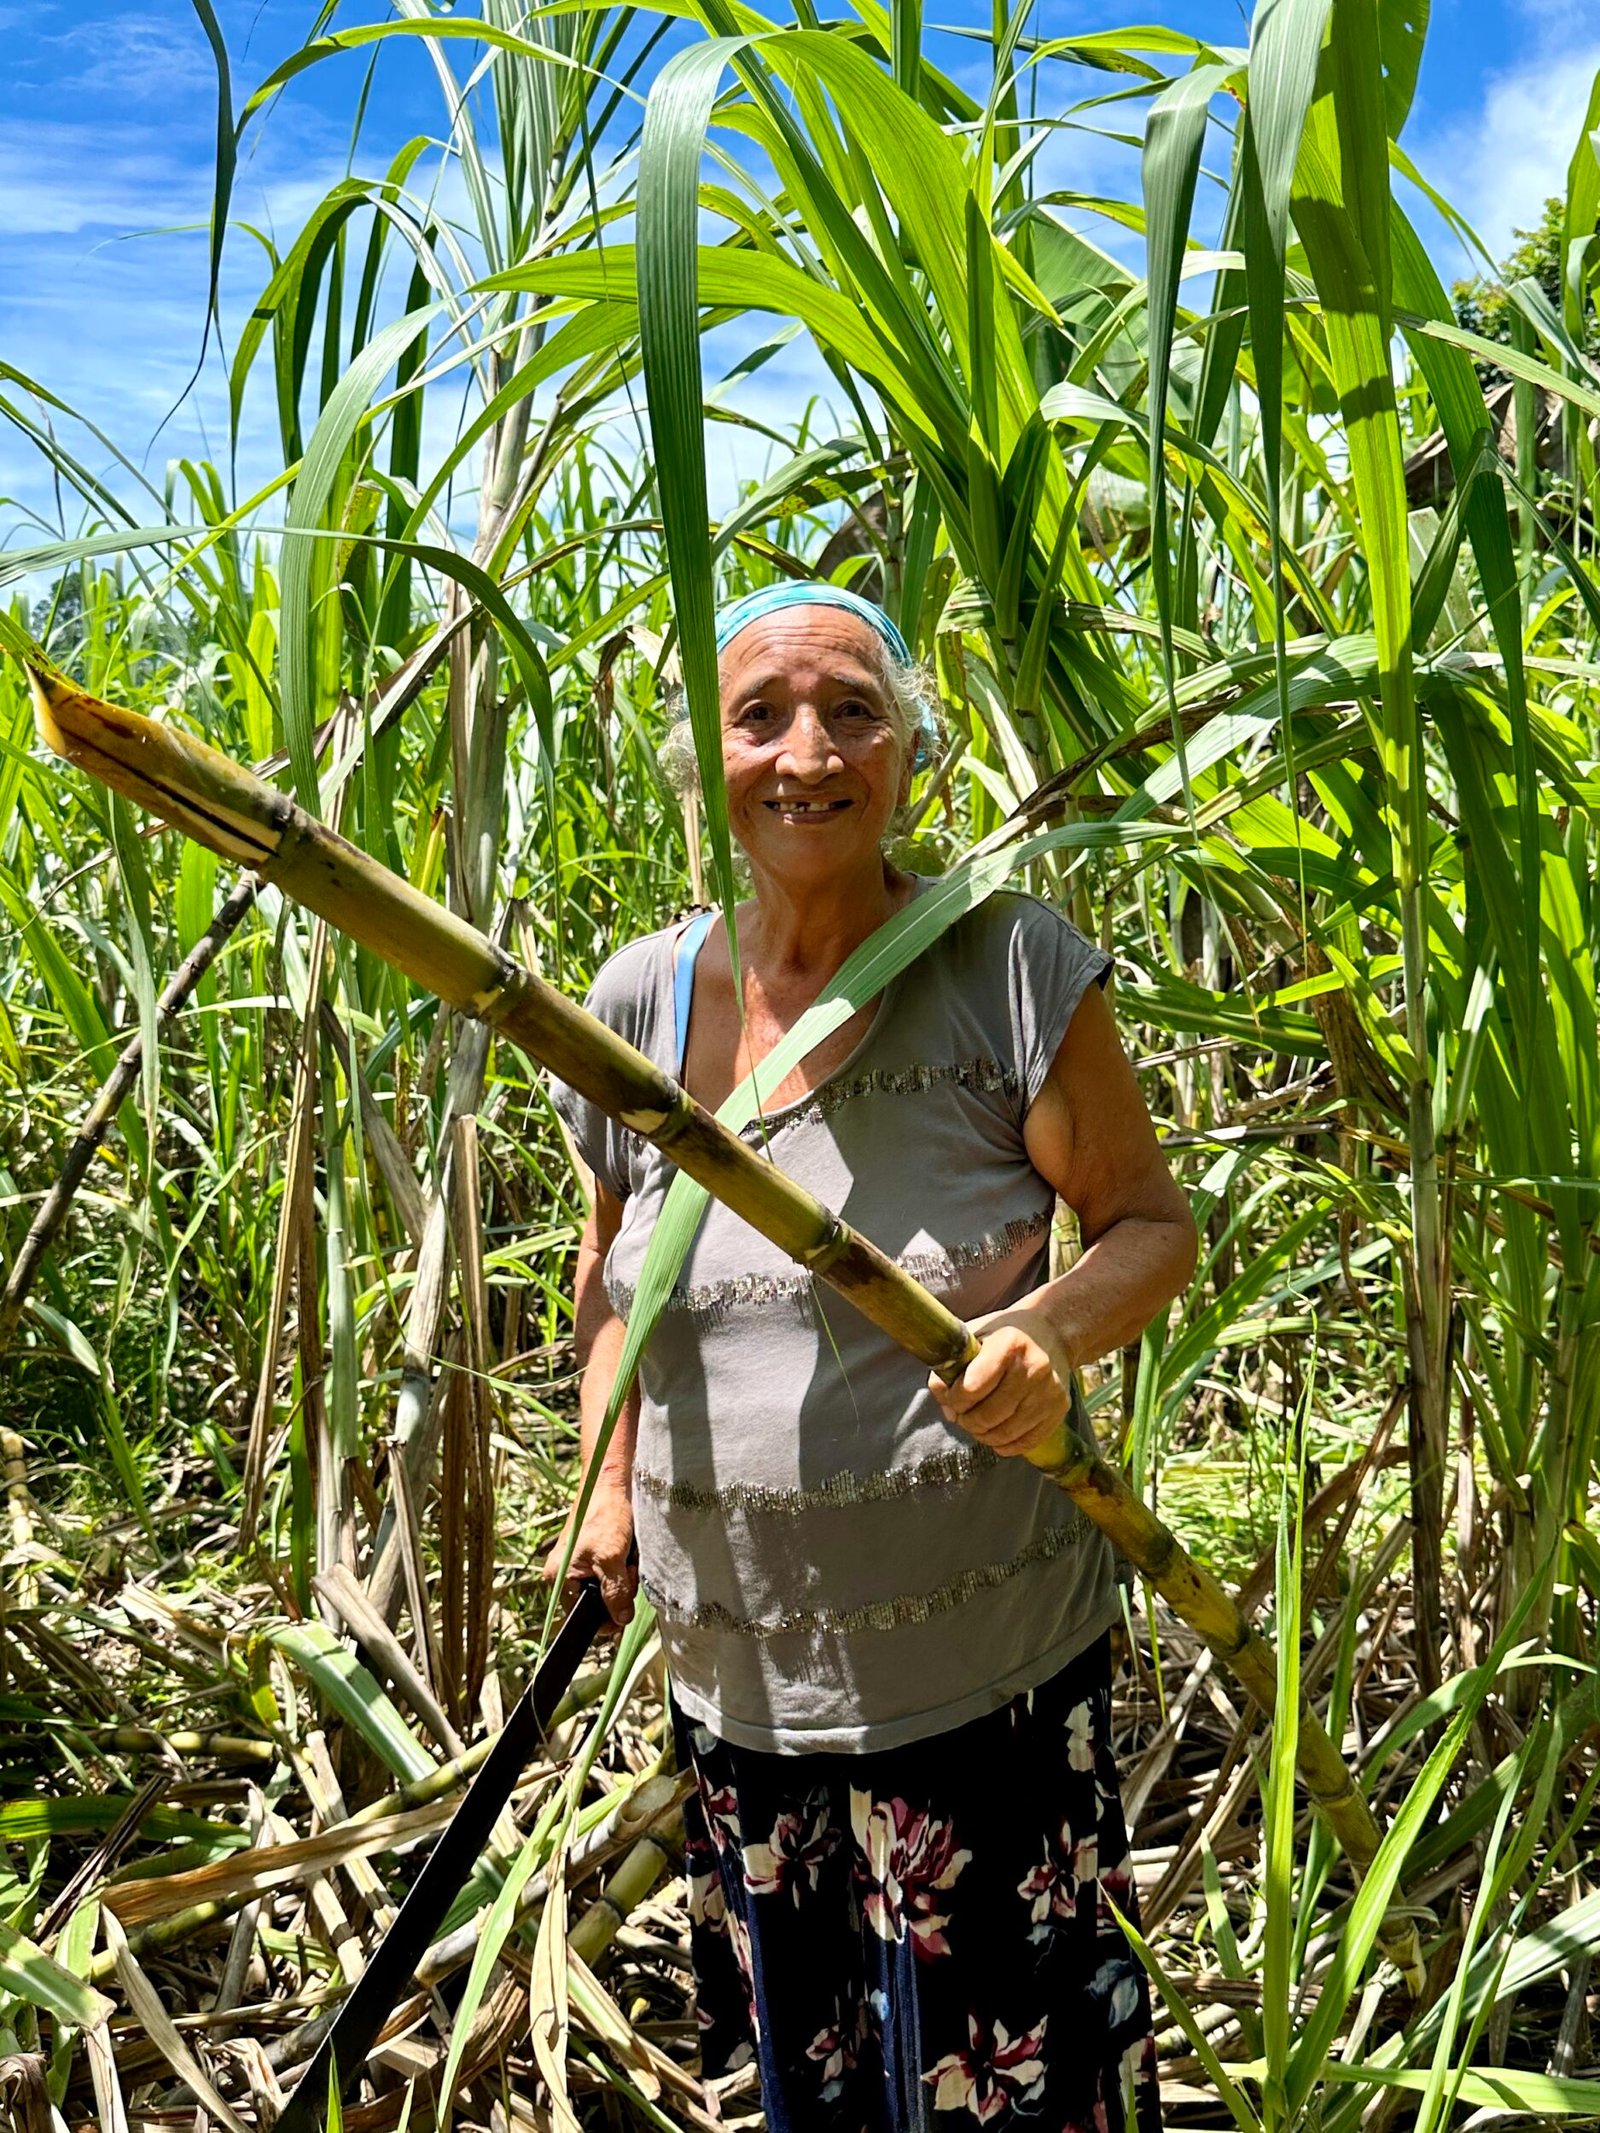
(416, 1923)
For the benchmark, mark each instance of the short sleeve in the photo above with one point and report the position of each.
(600, 1141)
(622, 997)
(1052, 967)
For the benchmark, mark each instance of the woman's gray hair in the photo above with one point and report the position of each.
(913, 712)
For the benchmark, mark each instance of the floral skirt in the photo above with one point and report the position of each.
(921, 1936)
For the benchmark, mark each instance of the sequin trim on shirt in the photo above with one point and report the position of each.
(879, 1614)
(941, 1470)
(984, 1077)
(710, 1304)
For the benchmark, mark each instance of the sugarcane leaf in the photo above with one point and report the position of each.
(281, 296)
(251, 1869)
(1531, 1757)
(227, 157)
(1272, 1272)
(1174, 135)
(549, 2018)
(905, 46)
(1315, 2042)
(77, 1344)
(1494, 889)
(739, 280)
(1423, 1715)
(1582, 217)
(927, 186)
(1183, 2014)
(1464, 418)
(27, 1973)
(676, 118)
(1285, 39)
(1402, 33)
(1491, 2088)
(73, 1952)
(1342, 212)
(303, 585)
(128, 846)
(52, 556)
(1497, 1974)
(1507, 356)
(26, 1821)
(73, 1000)
(476, 29)
(346, 1684)
(777, 491)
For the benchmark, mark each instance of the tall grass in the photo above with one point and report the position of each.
(1331, 754)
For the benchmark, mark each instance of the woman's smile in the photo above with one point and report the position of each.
(809, 811)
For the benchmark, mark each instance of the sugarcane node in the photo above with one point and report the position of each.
(1336, 1798)
(497, 1003)
(958, 1359)
(834, 1240)
(663, 1127)
(1163, 1552)
(1062, 1459)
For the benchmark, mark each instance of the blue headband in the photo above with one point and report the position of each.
(806, 592)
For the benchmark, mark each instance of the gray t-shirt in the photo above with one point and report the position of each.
(834, 1566)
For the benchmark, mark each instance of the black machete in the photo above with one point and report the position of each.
(394, 1960)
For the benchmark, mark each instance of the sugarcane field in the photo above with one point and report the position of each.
(800, 1149)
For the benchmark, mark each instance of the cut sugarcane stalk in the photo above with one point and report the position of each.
(237, 815)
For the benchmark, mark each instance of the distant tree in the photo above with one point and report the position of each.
(1484, 307)
(58, 615)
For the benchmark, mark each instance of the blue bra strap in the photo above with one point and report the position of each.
(684, 951)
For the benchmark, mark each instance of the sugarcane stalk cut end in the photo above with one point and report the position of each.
(175, 776)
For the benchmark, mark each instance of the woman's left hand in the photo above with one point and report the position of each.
(1013, 1395)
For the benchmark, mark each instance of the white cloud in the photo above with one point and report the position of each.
(60, 178)
(1551, 19)
(135, 58)
(103, 293)
(1499, 164)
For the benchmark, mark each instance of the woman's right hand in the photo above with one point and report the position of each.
(602, 1550)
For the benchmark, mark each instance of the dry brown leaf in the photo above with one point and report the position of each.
(600, 2014)
(136, 1903)
(160, 2028)
(111, 2113)
(24, 2098)
(547, 1995)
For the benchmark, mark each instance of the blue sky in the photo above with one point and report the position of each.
(107, 137)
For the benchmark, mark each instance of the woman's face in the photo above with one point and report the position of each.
(811, 751)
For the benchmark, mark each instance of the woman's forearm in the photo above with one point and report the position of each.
(1124, 1281)
(598, 1336)
(601, 1547)
(604, 1353)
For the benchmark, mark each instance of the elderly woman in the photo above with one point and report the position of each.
(887, 1634)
